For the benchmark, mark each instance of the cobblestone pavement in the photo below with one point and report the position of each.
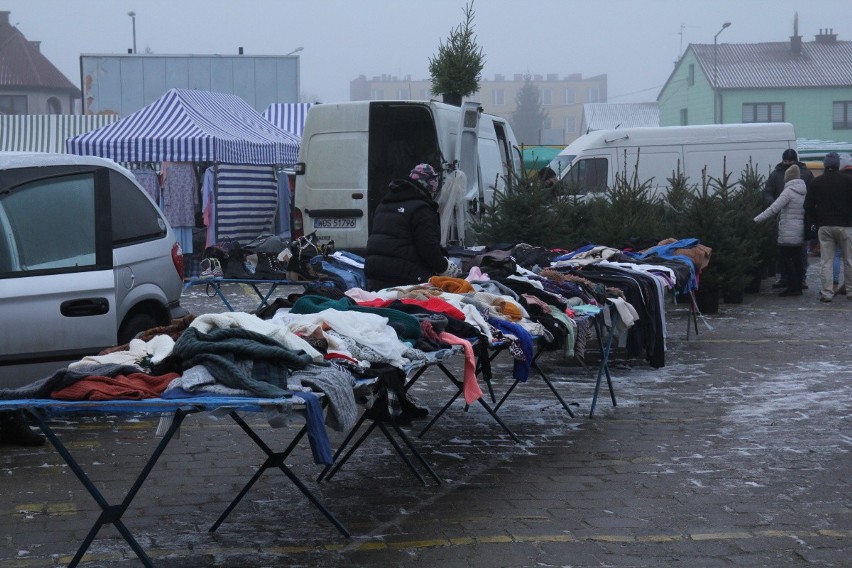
(736, 453)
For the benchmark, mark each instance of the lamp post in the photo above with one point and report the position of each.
(297, 50)
(715, 72)
(132, 15)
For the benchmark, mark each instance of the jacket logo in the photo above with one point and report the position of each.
(401, 210)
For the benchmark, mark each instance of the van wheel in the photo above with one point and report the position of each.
(134, 325)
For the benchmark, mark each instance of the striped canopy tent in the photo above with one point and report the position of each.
(46, 132)
(187, 125)
(288, 116)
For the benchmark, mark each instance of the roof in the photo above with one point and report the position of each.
(46, 132)
(22, 65)
(772, 65)
(187, 125)
(810, 150)
(288, 116)
(604, 116)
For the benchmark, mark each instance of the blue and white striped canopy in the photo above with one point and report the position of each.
(288, 116)
(187, 125)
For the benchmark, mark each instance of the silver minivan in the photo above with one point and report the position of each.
(87, 261)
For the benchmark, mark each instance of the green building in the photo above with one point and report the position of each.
(808, 84)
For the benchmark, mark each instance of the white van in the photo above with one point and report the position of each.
(590, 163)
(351, 151)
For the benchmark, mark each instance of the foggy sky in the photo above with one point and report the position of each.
(634, 42)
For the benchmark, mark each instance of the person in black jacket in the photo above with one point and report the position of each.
(773, 188)
(405, 244)
(828, 205)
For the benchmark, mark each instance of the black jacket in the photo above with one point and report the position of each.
(775, 182)
(405, 244)
(828, 202)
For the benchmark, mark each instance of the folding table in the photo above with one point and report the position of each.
(605, 342)
(415, 372)
(216, 285)
(177, 410)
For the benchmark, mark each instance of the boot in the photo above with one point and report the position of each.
(268, 267)
(16, 431)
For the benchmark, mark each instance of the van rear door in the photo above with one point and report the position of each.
(331, 195)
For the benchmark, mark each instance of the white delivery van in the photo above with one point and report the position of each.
(351, 151)
(590, 163)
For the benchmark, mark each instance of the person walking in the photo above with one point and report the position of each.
(772, 189)
(789, 206)
(404, 246)
(828, 205)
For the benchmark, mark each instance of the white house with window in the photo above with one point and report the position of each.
(806, 83)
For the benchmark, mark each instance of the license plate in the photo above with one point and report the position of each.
(334, 223)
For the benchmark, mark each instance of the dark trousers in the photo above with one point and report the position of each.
(782, 268)
(791, 261)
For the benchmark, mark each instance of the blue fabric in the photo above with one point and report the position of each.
(667, 252)
(573, 253)
(521, 369)
(317, 434)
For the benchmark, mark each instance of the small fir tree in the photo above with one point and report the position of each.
(457, 68)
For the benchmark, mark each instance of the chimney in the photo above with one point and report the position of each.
(826, 36)
(4, 18)
(796, 39)
(36, 45)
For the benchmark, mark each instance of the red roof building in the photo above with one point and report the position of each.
(29, 82)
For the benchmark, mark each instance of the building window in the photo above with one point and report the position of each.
(402, 94)
(763, 112)
(571, 124)
(570, 96)
(592, 94)
(498, 97)
(691, 79)
(13, 104)
(54, 106)
(841, 115)
(377, 94)
(546, 98)
(684, 117)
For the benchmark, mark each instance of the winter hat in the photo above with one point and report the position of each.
(831, 161)
(845, 162)
(792, 173)
(424, 176)
(790, 155)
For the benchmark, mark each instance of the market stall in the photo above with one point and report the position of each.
(208, 130)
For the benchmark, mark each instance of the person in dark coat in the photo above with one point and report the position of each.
(828, 205)
(405, 244)
(773, 188)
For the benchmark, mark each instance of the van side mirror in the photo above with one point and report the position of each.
(299, 168)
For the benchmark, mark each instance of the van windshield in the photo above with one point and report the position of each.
(560, 163)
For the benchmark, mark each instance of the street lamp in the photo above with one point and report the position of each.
(132, 15)
(715, 72)
(297, 50)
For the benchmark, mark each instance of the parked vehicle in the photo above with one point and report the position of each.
(87, 261)
(351, 151)
(590, 163)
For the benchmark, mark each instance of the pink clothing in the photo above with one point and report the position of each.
(470, 386)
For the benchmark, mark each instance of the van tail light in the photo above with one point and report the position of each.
(177, 259)
(298, 226)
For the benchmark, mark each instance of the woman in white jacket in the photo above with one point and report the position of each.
(791, 227)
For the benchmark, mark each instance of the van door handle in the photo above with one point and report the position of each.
(84, 307)
(358, 195)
